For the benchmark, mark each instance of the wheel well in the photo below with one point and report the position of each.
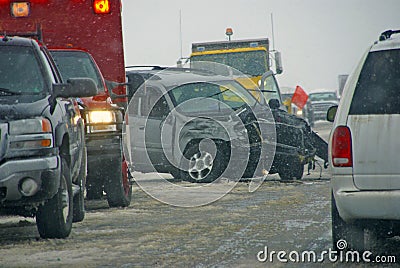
(197, 141)
(64, 149)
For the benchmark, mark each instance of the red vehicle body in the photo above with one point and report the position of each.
(93, 27)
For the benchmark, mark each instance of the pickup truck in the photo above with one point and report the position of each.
(42, 144)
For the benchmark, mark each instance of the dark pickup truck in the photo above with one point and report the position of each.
(42, 144)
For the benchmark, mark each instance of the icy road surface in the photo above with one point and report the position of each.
(282, 216)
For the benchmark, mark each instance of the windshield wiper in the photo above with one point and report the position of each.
(5, 92)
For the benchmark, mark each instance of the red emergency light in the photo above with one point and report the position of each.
(101, 6)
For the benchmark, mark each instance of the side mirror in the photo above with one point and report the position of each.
(278, 62)
(274, 104)
(331, 113)
(111, 85)
(75, 87)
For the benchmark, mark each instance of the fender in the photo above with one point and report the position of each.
(199, 129)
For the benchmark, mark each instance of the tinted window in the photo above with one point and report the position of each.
(77, 64)
(378, 87)
(19, 70)
(157, 103)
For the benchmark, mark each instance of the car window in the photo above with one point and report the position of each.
(153, 104)
(271, 90)
(160, 109)
(378, 87)
(19, 70)
(210, 97)
(77, 64)
(326, 96)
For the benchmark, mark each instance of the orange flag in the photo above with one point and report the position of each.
(299, 97)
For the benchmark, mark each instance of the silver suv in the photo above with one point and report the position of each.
(364, 147)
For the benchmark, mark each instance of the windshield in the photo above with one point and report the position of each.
(77, 64)
(252, 63)
(325, 96)
(271, 90)
(210, 97)
(19, 71)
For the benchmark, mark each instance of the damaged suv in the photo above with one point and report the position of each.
(199, 126)
(42, 145)
(195, 125)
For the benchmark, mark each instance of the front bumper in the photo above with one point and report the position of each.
(102, 147)
(45, 171)
(354, 204)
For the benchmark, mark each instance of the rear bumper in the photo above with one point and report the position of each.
(354, 204)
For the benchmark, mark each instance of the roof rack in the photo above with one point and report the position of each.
(144, 68)
(387, 34)
(147, 67)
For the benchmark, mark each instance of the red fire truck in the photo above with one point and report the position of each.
(92, 29)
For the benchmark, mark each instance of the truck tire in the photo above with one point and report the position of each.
(203, 167)
(54, 218)
(79, 198)
(351, 233)
(117, 182)
(291, 170)
(94, 188)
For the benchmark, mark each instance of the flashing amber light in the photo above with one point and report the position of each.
(20, 9)
(229, 31)
(101, 6)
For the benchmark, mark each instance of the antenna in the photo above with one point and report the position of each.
(180, 31)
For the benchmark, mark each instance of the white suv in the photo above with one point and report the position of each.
(364, 148)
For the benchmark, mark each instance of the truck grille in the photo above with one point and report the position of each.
(322, 106)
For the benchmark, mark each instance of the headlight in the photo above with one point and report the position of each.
(96, 117)
(29, 126)
(299, 112)
(35, 133)
(101, 121)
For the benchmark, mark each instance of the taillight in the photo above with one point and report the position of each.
(342, 155)
(101, 6)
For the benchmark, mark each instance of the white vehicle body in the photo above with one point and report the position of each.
(366, 179)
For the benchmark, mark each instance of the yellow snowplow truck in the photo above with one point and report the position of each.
(251, 57)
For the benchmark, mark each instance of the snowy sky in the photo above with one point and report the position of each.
(318, 39)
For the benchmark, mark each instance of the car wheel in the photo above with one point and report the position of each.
(204, 166)
(54, 218)
(117, 182)
(351, 233)
(79, 198)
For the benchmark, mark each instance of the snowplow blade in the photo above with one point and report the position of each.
(320, 145)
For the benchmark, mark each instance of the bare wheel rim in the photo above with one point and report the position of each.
(200, 165)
